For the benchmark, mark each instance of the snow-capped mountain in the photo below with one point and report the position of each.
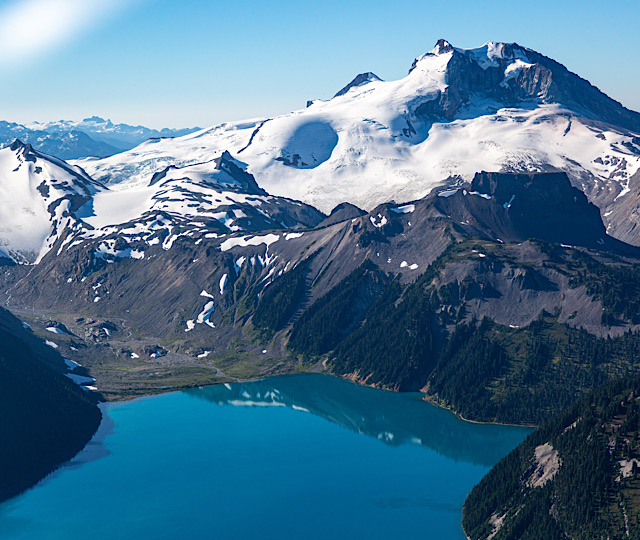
(67, 144)
(39, 198)
(500, 107)
(90, 137)
(120, 136)
(198, 201)
(457, 112)
(45, 200)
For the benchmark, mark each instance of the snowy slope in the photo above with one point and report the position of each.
(38, 197)
(498, 107)
(219, 192)
(44, 202)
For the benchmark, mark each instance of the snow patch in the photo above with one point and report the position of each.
(205, 314)
(381, 223)
(507, 205)
(223, 282)
(80, 379)
(71, 364)
(55, 330)
(513, 70)
(243, 241)
(406, 209)
(483, 195)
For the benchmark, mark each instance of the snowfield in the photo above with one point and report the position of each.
(368, 146)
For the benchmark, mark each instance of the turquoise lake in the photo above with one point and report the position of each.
(298, 457)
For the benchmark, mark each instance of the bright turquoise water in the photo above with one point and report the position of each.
(299, 457)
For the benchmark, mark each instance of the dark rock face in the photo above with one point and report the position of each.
(360, 79)
(342, 212)
(249, 185)
(517, 207)
(538, 79)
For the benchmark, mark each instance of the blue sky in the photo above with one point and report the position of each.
(195, 62)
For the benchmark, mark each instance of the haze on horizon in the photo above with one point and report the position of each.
(162, 63)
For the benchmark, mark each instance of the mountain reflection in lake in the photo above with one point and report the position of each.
(394, 418)
(260, 460)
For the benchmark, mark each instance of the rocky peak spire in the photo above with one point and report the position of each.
(442, 47)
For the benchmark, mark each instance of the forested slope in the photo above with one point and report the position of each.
(45, 418)
(575, 477)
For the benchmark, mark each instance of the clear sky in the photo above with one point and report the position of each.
(179, 63)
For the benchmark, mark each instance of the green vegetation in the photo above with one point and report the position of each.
(408, 336)
(45, 419)
(495, 373)
(331, 318)
(396, 346)
(144, 380)
(616, 285)
(589, 496)
(280, 299)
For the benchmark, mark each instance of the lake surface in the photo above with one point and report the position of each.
(299, 457)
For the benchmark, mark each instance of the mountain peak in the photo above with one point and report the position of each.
(510, 74)
(95, 119)
(442, 47)
(359, 80)
(18, 145)
(493, 52)
(21, 148)
(488, 55)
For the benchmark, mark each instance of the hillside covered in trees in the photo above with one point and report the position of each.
(447, 332)
(45, 418)
(576, 477)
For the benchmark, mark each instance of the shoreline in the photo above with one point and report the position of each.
(430, 399)
(425, 397)
(102, 430)
(95, 448)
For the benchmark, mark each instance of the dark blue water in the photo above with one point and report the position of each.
(299, 457)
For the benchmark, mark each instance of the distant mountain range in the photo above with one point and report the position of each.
(91, 137)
